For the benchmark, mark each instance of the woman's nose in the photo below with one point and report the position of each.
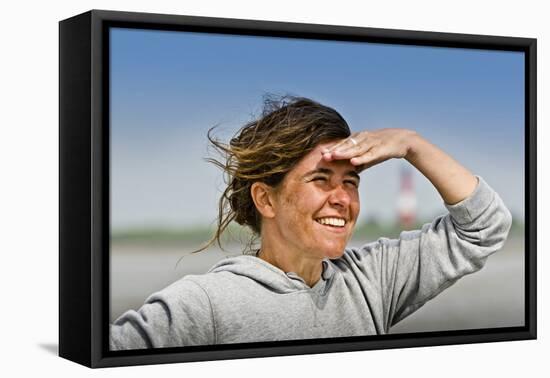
(339, 196)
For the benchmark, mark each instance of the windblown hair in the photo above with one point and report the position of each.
(265, 150)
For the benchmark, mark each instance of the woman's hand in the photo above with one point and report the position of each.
(367, 148)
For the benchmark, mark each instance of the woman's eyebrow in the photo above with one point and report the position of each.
(328, 171)
(319, 170)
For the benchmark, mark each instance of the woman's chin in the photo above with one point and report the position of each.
(334, 253)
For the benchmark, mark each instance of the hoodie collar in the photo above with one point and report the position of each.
(271, 276)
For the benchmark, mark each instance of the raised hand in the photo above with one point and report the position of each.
(367, 148)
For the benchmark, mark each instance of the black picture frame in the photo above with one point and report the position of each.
(84, 187)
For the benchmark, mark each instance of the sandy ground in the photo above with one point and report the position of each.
(492, 297)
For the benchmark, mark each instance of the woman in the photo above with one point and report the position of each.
(294, 180)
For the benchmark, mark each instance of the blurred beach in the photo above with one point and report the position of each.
(492, 297)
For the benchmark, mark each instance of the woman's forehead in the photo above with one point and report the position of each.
(314, 160)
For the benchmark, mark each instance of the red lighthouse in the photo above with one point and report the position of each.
(406, 203)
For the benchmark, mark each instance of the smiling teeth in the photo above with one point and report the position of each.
(338, 222)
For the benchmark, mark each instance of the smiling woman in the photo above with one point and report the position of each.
(293, 179)
(311, 216)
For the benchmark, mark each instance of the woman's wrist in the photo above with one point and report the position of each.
(415, 143)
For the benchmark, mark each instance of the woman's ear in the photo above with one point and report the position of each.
(261, 194)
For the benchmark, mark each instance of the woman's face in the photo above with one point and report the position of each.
(317, 205)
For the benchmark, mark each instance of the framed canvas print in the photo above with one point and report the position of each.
(235, 188)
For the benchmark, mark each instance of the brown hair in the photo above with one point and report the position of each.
(265, 150)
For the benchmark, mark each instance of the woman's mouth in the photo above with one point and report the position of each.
(332, 222)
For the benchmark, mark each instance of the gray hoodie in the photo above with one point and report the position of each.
(364, 292)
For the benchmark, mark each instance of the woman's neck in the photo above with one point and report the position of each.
(308, 268)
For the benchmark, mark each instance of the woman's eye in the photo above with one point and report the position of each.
(319, 179)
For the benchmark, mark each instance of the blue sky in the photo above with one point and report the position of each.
(168, 88)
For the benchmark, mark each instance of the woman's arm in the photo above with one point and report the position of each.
(178, 315)
(417, 266)
(453, 182)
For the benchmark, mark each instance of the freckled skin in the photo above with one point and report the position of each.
(300, 201)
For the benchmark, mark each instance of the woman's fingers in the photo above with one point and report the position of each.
(352, 151)
(373, 156)
(368, 148)
(340, 145)
(365, 158)
(352, 146)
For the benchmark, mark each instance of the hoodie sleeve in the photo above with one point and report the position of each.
(179, 315)
(420, 264)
